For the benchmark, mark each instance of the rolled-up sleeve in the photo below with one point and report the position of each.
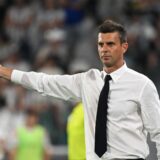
(150, 109)
(66, 87)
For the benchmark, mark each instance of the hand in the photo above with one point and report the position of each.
(5, 72)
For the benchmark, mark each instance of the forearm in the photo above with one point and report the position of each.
(5, 72)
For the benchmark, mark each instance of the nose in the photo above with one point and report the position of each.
(104, 48)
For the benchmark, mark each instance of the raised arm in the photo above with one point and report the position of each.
(64, 87)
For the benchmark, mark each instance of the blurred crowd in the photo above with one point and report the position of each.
(59, 37)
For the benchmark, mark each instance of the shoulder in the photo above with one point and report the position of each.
(92, 73)
(132, 74)
(140, 81)
(40, 128)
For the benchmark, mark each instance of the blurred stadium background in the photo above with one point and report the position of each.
(59, 37)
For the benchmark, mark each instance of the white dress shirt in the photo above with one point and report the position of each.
(134, 107)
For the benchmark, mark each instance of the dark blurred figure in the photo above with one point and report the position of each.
(3, 7)
(152, 68)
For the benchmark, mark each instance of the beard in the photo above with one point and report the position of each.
(108, 63)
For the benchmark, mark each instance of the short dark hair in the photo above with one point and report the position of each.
(31, 112)
(109, 26)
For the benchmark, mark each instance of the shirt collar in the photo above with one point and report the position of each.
(116, 74)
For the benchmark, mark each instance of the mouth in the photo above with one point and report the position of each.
(106, 57)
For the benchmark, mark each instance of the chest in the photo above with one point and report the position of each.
(31, 138)
(122, 98)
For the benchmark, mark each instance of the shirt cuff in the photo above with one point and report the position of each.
(16, 76)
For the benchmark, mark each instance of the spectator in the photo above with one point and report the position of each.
(49, 16)
(27, 136)
(18, 19)
(76, 136)
(55, 48)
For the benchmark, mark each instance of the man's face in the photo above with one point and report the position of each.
(111, 50)
(31, 120)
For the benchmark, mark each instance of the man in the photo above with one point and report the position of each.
(132, 108)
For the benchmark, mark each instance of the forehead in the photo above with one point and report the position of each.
(114, 36)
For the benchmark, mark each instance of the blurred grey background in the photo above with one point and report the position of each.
(59, 37)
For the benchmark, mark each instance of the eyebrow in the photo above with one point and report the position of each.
(110, 42)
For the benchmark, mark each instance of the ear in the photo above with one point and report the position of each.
(124, 47)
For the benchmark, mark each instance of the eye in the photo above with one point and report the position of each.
(100, 44)
(110, 44)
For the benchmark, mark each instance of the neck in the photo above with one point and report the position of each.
(29, 125)
(112, 68)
